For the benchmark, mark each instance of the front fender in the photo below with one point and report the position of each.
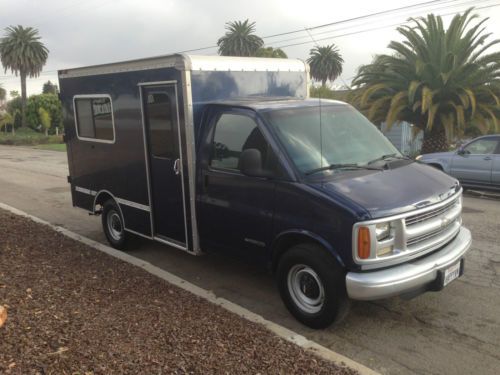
(443, 162)
(291, 237)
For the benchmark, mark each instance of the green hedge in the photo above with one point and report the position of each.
(28, 137)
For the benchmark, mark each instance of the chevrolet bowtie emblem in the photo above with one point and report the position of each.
(444, 222)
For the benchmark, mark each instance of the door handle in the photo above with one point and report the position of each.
(177, 170)
(487, 158)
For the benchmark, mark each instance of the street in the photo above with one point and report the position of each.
(456, 331)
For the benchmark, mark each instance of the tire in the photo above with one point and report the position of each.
(309, 266)
(113, 225)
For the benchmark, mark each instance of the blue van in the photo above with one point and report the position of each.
(207, 153)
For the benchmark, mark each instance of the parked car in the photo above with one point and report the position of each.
(208, 153)
(476, 164)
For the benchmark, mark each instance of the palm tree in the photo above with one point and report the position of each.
(326, 63)
(239, 40)
(3, 93)
(22, 52)
(439, 80)
(7, 119)
(271, 52)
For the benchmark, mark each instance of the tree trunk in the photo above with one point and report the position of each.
(323, 82)
(435, 140)
(23, 99)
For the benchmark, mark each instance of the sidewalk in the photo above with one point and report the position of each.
(72, 309)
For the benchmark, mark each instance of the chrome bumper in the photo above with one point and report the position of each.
(407, 277)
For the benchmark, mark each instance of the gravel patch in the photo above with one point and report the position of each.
(73, 310)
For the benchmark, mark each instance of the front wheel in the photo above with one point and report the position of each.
(312, 286)
(113, 225)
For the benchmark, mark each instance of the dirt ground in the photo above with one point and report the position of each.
(73, 310)
(455, 331)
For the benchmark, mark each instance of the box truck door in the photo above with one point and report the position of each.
(161, 123)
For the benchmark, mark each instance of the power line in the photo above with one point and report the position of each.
(374, 29)
(47, 72)
(385, 12)
(388, 11)
(360, 17)
(353, 26)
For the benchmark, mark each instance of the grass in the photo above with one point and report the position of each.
(52, 147)
(29, 137)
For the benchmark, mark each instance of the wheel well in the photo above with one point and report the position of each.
(437, 166)
(101, 198)
(287, 241)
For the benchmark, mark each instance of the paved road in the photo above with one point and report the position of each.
(456, 331)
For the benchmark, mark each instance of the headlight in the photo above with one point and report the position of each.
(382, 243)
(382, 231)
(418, 157)
(385, 251)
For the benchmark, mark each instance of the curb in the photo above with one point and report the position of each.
(277, 329)
(483, 194)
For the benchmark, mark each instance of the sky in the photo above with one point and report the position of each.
(89, 32)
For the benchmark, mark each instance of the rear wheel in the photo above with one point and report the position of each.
(312, 286)
(113, 225)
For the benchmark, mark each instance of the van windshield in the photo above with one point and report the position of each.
(345, 136)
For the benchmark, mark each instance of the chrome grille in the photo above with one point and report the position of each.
(412, 234)
(411, 220)
(429, 235)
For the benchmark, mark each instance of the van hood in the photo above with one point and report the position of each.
(391, 191)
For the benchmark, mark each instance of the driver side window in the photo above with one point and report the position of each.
(232, 134)
(482, 147)
(235, 133)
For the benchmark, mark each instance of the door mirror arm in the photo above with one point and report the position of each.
(250, 164)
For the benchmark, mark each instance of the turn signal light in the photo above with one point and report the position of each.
(363, 243)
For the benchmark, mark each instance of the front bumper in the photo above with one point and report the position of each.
(407, 277)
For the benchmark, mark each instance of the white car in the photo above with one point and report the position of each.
(476, 164)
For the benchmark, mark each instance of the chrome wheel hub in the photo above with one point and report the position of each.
(305, 288)
(115, 226)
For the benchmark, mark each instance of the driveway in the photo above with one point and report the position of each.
(456, 331)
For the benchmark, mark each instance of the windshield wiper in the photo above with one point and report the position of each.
(341, 166)
(388, 156)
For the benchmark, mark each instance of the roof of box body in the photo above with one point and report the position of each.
(193, 63)
(264, 104)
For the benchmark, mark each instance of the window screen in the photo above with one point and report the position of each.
(233, 134)
(94, 118)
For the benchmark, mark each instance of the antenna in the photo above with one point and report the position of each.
(320, 134)
(320, 120)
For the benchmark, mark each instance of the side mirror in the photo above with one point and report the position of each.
(462, 151)
(250, 163)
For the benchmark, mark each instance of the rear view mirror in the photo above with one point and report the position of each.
(250, 163)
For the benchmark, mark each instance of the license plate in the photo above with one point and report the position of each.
(451, 273)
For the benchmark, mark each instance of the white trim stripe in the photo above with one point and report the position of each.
(85, 191)
(125, 202)
(133, 204)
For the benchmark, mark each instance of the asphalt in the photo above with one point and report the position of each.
(456, 331)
